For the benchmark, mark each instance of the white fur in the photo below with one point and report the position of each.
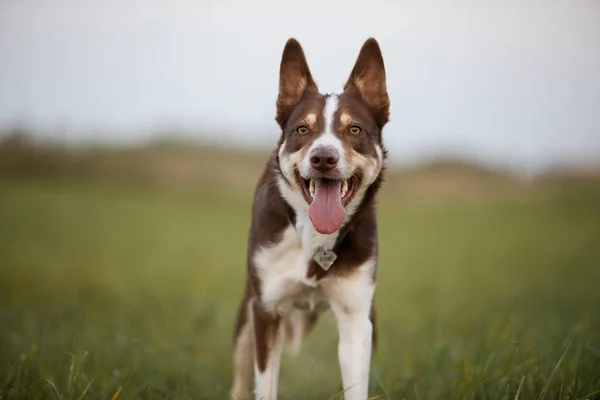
(291, 192)
(268, 380)
(282, 269)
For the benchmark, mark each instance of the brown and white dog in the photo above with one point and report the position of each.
(313, 236)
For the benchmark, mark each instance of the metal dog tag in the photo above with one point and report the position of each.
(325, 258)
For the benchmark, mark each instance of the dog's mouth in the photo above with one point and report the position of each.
(347, 188)
(327, 199)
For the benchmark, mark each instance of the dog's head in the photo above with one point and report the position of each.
(331, 148)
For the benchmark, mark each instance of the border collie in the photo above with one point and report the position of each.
(313, 236)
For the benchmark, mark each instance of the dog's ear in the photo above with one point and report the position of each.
(295, 80)
(368, 80)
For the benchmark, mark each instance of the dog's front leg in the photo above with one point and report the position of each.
(354, 353)
(268, 335)
(351, 303)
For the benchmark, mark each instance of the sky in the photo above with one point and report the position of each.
(513, 83)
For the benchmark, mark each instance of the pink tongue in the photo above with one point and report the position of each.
(326, 211)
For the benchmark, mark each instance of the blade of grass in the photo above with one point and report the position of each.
(519, 388)
(135, 367)
(117, 393)
(339, 393)
(387, 396)
(312, 366)
(417, 392)
(562, 383)
(53, 387)
(589, 395)
(575, 391)
(86, 390)
(70, 374)
(554, 370)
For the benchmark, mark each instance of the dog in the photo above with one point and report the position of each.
(313, 237)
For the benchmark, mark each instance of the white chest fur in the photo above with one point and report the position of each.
(282, 268)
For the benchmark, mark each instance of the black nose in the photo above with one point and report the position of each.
(324, 159)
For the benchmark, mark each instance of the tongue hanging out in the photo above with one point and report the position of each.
(326, 210)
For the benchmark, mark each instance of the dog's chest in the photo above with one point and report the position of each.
(282, 268)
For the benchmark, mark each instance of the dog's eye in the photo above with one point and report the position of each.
(355, 129)
(302, 129)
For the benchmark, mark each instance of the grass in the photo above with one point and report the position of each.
(119, 291)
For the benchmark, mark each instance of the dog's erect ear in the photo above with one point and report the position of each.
(295, 80)
(368, 79)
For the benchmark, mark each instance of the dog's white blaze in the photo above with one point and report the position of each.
(350, 300)
(327, 138)
(267, 381)
(331, 106)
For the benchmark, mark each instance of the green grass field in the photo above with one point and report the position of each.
(121, 291)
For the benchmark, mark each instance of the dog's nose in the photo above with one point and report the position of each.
(324, 159)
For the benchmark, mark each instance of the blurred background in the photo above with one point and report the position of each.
(132, 135)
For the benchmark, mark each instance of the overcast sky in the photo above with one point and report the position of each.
(510, 82)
